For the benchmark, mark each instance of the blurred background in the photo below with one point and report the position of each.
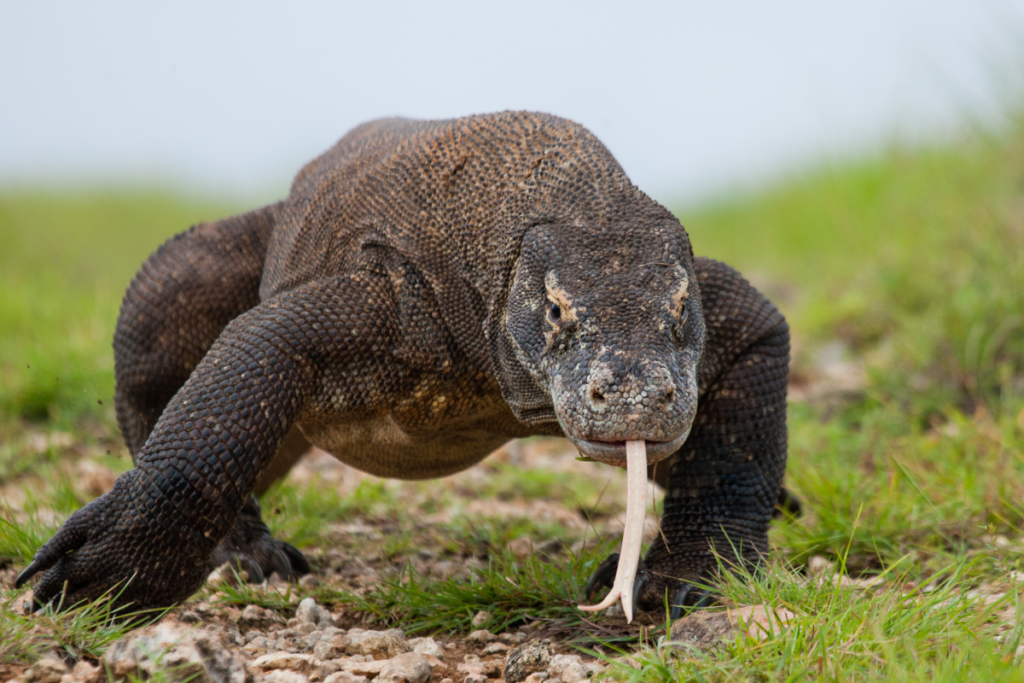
(229, 99)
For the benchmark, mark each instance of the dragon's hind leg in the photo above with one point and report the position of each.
(180, 301)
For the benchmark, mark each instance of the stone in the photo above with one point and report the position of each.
(572, 668)
(426, 646)
(49, 669)
(408, 667)
(700, 631)
(286, 660)
(312, 613)
(309, 581)
(481, 636)
(256, 618)
(512, 638)
(285, 676)
(759, 621)
(536, 677)
(345, 677)
(526, 659)
(496, 648)
(327, 668)
(707, 630)
(383, 644)
(356, 666)
(258, 644)
(481, 618)
(177, 652)
(332, 648)
(86, 672)
(435, 662)
(469, 669)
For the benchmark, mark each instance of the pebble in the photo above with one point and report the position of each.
(571, 668)
(496, 648)
(332, 648)
(356, 666)
(345, 677)
(481, 636)
(481, 618)
(383, 644)
(426, 646)
(49, 669)
(256, 618)
(312, 613)
(285, 676)
(408, 667)
(285, 660)
(525, 660)
(309, 581)
(170, 646)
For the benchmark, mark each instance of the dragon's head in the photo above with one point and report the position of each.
(605, 322)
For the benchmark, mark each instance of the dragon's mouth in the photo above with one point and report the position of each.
(614, 452)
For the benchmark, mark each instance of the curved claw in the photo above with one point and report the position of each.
(28, 572)
(299, 563)
(699, 599)
(603, 576)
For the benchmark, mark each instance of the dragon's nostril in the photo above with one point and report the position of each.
(670, 394)
(596, 396)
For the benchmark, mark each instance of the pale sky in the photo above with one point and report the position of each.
(693, 98)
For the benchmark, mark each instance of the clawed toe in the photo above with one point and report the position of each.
(250, 547)
(603, 576)
(688, 598)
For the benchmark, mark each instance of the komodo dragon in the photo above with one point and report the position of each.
(428, 291)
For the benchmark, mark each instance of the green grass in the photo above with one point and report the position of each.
(913, 260)
(65, 263)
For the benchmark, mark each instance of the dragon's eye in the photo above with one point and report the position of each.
(555, 312)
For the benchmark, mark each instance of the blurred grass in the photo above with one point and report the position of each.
(65, 262)
(915, 259)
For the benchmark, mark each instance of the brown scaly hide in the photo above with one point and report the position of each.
(428, 291)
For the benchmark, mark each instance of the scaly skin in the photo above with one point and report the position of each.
(428, 291)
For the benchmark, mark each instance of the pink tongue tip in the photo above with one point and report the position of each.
(632, 534)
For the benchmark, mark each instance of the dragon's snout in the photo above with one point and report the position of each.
(650, 388)
(618, 402)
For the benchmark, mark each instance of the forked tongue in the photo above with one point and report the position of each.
(632, 535)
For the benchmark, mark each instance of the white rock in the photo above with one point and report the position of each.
(332, 648)
(571, 668)
(383, 644)
(49, 669)
(178, 652)
(361, 668)
(426, 646)
(313, 613)
(496, 648)
(256, 618)
(285, 660)
(285, 676)
(345, 677)
(481, 636)
(409, 667)
(481, 618)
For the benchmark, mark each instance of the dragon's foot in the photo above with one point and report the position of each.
(650, 588)
(251, 549)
